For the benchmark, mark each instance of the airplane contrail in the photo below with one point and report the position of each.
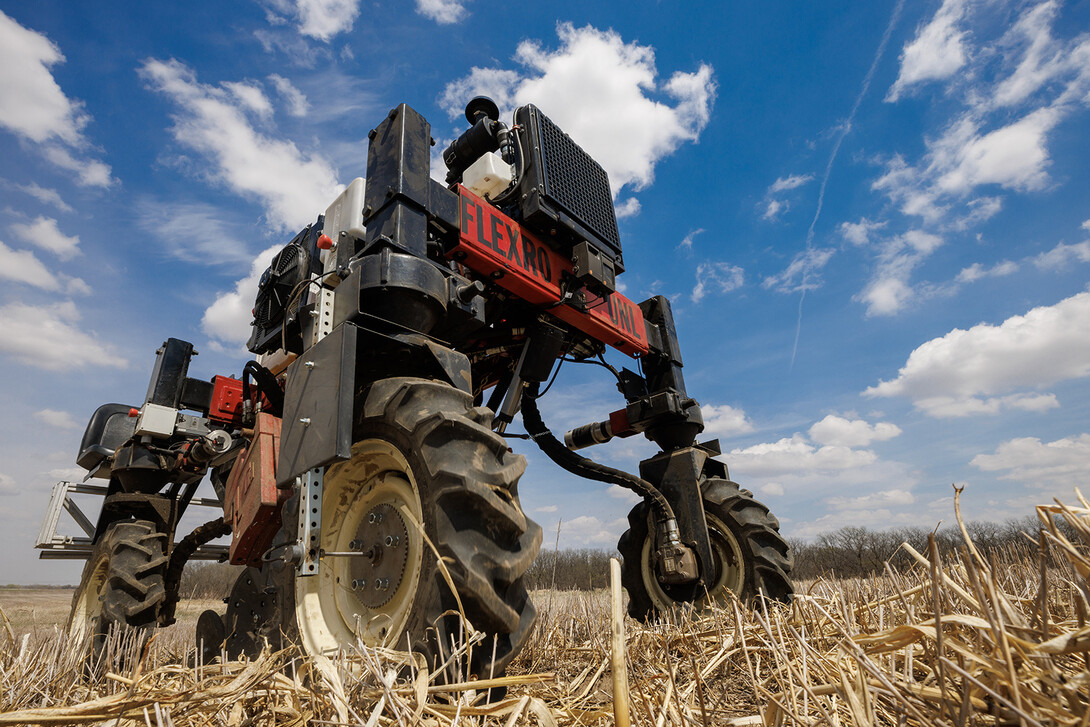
(844, 129)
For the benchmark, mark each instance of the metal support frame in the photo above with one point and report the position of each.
(310, 519)
(78, 547)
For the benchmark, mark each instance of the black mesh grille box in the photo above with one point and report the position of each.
(564, 189)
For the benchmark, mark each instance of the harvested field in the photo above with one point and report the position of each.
(963, 641)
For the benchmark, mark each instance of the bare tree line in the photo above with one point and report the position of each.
(855, 551)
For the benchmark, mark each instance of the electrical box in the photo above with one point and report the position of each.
(252, 502)
(156, 421)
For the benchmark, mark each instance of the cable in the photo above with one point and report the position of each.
(581, 466)
(510, 191)
(601, 363)
(560, 362)
(292, 297)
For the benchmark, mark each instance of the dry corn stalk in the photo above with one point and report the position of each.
(966, 641)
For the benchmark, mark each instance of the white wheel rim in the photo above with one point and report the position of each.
(329, 614)
(88, 608)
(731, 576)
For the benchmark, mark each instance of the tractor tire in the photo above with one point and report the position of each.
(752, 559)
(428, 479)
(122, 584)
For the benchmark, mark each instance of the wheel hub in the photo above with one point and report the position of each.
(383, 539)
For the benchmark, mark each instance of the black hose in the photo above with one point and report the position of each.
(266, 384)
(581, 466)
(185, 548)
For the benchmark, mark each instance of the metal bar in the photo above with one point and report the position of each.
(78, 516)
(81, 489)
(310, 518)
(52, 514)
(82, 551)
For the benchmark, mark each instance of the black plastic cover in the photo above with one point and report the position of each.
(109, 428)
(168, 376)
(564, 189)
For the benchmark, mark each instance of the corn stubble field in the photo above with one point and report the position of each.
(965, 640)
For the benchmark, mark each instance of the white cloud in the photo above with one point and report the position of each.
(772, 489)
(724, 420)
(443, 12)
(546, 508)
(35, 108)
(228, 318)
(794, 454)
(889, 289)
(8, 485)
(69, 474)
(629, 208)
(1063, 463)
(57, 419)
(48, 337)
(981, 209)
(34, 105)
(89, 172)
(44, 234)
(22, 266)
(976, 271)
(871, 501)
(885, 295)
(970, 371)
(590, 531)
(712, 277)
(1086, 225)
(192, 231)
(937, 51)
(790, 182)
(293, 97)
(323, 19)
(604, 93)
(623, 494)
(949, 407)
(1016, 89)
(686, 243)
(1013, 156)
(292, 186)
(45, 196)
(773, 209)
(859, 233)
(1042, 58)
(803, 273)
(838, 431)
(1059, 257)
(251, 96)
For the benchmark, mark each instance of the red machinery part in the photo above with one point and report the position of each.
(493, 244)
(226, 405)
(252, 501)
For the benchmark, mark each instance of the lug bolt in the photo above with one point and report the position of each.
(374, 518)
(392, 541)
(358, 583)
(381, 584)
(356, 544)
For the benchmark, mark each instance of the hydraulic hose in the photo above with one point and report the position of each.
(185, 548)
(583, 467)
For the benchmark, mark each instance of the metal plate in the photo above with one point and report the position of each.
(318, 401)
(384, 540)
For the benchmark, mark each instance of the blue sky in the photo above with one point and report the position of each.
(871, 218)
